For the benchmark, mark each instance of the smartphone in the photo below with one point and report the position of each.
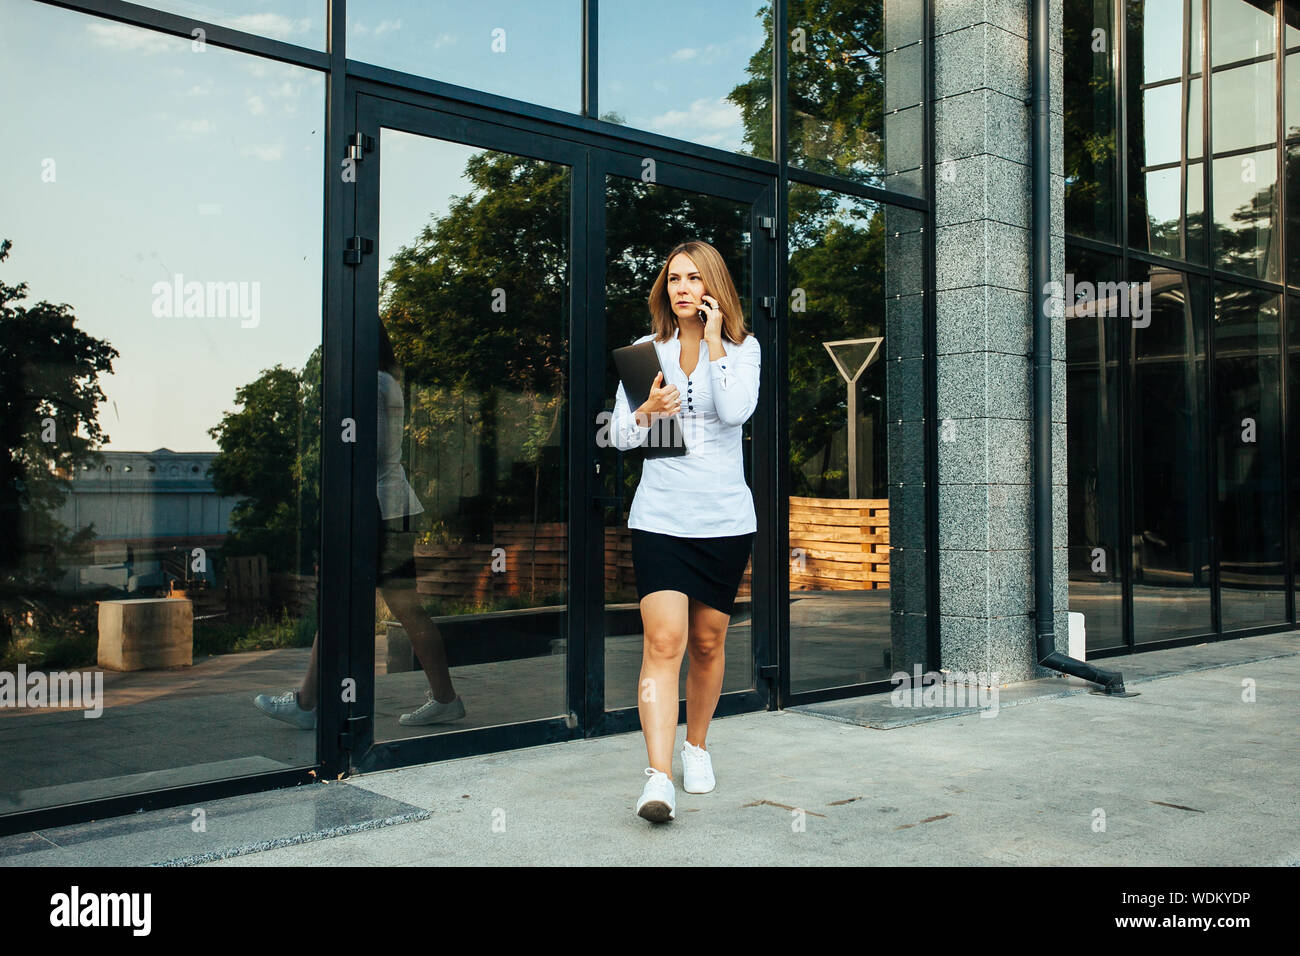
(703, 317)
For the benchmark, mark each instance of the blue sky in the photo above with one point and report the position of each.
(133, 157)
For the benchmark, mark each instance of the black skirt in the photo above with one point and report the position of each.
(707, 569)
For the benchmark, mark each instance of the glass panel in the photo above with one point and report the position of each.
(1167, 416)
(528, 51)
(1092, 342)
(1165, 208)
(852, 66)
(701, 72)
(161, 503)
(643, 222)
(472, 602)
(1245, 107)
(1160, 21)
(1169, 213)
(1161, 113)
(1195, 113)
(856, 528)
(1247, 396)
(1244, 203)
(293, 21)
(1292, 95)
(1293, 430)
(1241, 29)
(1091, 126)
(1293, 212)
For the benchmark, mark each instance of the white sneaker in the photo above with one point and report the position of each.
(433, 712)
(697, 769)
(285, 707)
(658, 797)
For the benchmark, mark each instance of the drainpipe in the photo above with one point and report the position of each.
(1110, 682)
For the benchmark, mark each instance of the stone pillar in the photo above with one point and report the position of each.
(984, 339)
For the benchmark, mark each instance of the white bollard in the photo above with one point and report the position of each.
(1078, 639)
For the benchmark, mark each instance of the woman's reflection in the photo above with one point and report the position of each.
(396, 508)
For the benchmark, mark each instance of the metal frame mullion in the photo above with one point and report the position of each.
(1279, 225)
(781, 354)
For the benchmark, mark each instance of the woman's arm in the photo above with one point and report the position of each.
(735, 379)
(625, 433)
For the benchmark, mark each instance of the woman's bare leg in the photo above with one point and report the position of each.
(706, 646)
(664, 622)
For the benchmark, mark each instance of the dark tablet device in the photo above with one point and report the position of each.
(637, 367)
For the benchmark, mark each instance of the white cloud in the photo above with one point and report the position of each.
(708, 122)
(196, 127)
(119, 36)
(387, 26)
(272, 25)
(685, 53)
(265, 153)
(255, 106)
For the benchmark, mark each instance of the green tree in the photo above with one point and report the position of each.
(270, 458)
(49, 427)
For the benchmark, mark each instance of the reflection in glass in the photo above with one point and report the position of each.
(1245, 107)
(1247, 396)
(161, 476)
(1241, 29)
(1166, 211)
(1167, 421)
(1245, 200)
(293, 21)
(855, 527)
(1175, 220)
(1092, 336)
(470, 620)
(1293, 430)
(1161, 21)
(854, 84)
(1161, 116)
(527, 51)
(1293, 212)
(701, 72)
(643, 222)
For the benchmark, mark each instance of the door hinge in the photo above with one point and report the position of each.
(357, 246)
(353, 727)
(769, 303)
(359, 144)
(768, 223)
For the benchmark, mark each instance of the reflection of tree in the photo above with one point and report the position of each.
(838, 261)
(1244, 238)
(476, 307)
(270, 457)
(49, 393)
(1090, 134)
(836, 88)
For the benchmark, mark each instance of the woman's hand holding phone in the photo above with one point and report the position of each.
(661, 403)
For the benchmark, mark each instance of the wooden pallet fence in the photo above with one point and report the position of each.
(844, 544)
(534, 563)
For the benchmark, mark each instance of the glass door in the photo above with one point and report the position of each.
(464, 310)
(640, 210)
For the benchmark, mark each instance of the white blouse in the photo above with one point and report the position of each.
(701, 494)
(396, 496)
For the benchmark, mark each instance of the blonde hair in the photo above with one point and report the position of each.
(717, 283)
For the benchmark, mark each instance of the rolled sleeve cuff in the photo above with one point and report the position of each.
(722, 372)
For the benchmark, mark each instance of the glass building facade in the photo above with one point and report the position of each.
(307, 309)
(1182, 151)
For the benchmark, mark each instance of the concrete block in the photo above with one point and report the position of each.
(146, 634)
